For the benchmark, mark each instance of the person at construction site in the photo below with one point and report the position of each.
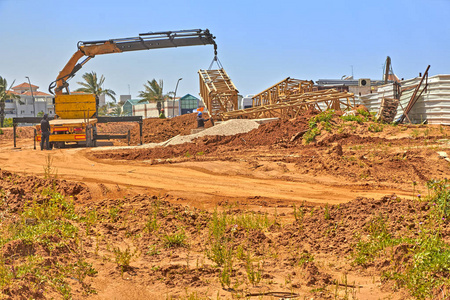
(200, 120)
(162, 115)
(45, 133)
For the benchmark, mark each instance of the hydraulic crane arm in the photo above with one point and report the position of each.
(145, 41)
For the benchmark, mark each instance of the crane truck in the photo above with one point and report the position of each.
(77, 113)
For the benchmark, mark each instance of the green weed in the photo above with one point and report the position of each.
(49, 170)
(177, 239)
(375, 128)
(251, 220)
(114, 213)
(327, 215)
(254, 270)
(323, 119)
(350, 118)
(123, 258)
(428, 255)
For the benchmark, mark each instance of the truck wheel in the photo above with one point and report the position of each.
(58, 145)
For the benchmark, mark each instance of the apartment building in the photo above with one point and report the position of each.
(31, 102)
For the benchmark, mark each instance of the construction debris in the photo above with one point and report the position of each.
(388, 110)
(320, 100)
(283, 91)
(414, 97)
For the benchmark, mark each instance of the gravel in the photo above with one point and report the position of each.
(230, 127)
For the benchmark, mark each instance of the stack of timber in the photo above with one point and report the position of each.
(283, 91)
(320, 100)
(217, 92)
(388, 110)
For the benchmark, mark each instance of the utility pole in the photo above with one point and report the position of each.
(32, 97)
(174, 96)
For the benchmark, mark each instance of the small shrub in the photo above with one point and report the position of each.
(178, 239)
(375, 128)
(152, 222)
(114, 213)
(310, 135)
(254, 272)
(327, 214)
(359, 119)
(323, 119)
(8, 122)
(123, 258)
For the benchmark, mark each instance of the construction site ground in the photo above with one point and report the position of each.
(316, 201)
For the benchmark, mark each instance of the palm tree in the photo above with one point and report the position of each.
(117, 111)
(153, 92)
(93, 85)
(4, 95)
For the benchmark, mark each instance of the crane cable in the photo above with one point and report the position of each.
(215, 59)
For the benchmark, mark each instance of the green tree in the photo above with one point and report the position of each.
(93, 85)
(117, 111)
(4, 95)
(153, 92)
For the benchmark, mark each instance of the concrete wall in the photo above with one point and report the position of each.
(151, 111)
(433, 105)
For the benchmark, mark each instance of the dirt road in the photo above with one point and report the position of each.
(205, 182)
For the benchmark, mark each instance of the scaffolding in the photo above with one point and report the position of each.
(217, 92)
(282, 91)
(320, 100)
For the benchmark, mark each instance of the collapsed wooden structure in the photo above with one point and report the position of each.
(282, 91)
(285, 100)
(290, 108)
(217, 92)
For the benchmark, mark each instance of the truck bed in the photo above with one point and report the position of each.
(59, 122)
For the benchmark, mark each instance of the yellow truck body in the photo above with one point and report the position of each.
(77, 106)
(75, 114)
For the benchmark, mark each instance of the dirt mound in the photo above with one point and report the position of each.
(274, 134)
(116, 127)
(155, 130)
(18, 190)
(332, 229)
(26, 132)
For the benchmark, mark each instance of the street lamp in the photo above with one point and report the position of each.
(32, 97)
(174, 96)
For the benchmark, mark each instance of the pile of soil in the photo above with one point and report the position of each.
(269, 134)
(116, 127)
(19, 190)
(155, 130)
(26, 132)
(303, 256)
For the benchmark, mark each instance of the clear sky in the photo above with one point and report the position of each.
(259, 42)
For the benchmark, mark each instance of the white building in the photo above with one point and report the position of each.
(31, 102)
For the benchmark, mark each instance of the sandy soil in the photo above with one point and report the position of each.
(350, 170)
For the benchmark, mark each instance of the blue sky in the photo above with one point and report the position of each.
(259, 42)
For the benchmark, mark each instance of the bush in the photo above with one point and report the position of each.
(426, 263)
(323, 119)
(8, 122)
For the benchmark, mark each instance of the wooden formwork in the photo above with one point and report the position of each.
(282, 91)
(217, 92)
(320, 100)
